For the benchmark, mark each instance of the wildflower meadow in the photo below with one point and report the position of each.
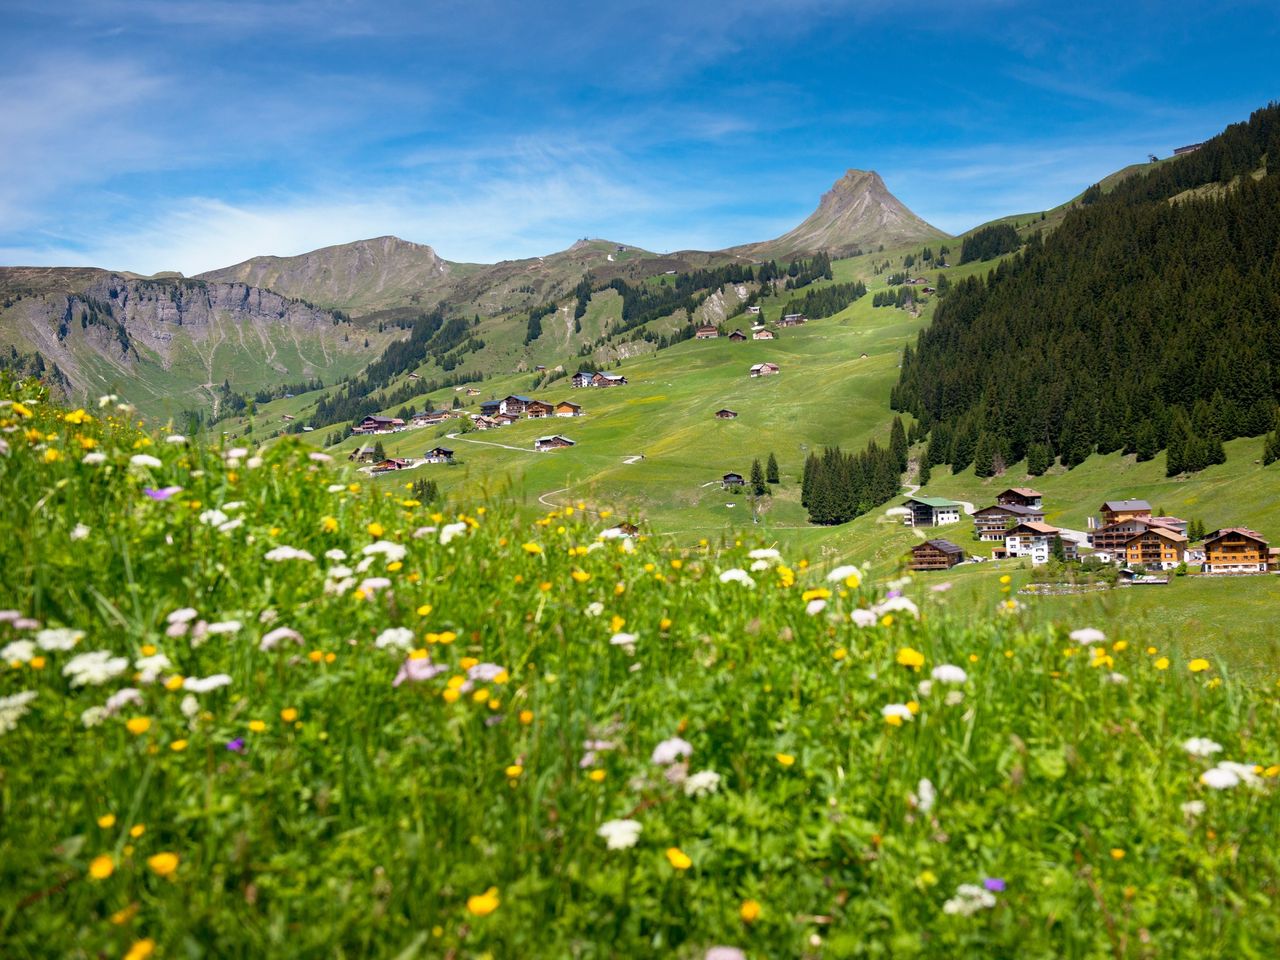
(255, 704)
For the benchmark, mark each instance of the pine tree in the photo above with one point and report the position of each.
(771, 469)
(924, 474)
(984, 455)
(898, 443)
(1145, 441)
(378, 452)
(1039, 458)
(1271, 444)
(758, 486)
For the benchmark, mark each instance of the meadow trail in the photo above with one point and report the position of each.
(485, 443)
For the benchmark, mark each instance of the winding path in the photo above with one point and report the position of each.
(487, 443)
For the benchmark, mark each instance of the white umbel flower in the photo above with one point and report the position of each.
(669, 751)
(13, 708)
(969, 899)
(283, 552)
(949, 673)
(925, 795)
(1201, 747)
(619, 834)
(206, 684)
(58, 638)
(395, 638)
(737, 576)
(1087, 635)
(701, 783)
(145, 460)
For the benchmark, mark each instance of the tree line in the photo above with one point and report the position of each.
(1139, 325)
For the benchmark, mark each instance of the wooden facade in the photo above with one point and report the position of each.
(991, 523)
(1020, 497)
(1115, 511)
(935, 555)
(1156, 547)
(1235, 550)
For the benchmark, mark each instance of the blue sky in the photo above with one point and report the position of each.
(190, 134)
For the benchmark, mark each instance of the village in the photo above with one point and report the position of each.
(1126, 534)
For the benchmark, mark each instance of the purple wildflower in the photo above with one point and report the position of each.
(994, 884)
(417, 670)
(236, 745)
(164, 493)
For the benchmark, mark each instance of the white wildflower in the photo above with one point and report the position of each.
(145, 460)
(231, 525)
(1087, 635)
(335, 554)
(20, 651)
(224, 626)
(371, 585)
(175, 438)
(1192, 808)
(925, 795)
(451, 530)
(953, 698)
(897, 605)
(397, 638)
(949, 673)
(318, 457)
(13, 708)
(364, 564)
(863, 618)
(93, 717)
(619, 834)
(392, 551)
(121, 699)
(93, 458)
(150, 668)
(701, 783)
(844, 572)
(233, 506)
(205, 684)
(272, 640)
(815, 607)
(79, 532)
(969, 899)
(1220, 778)
(106, 400)
(594, 609)
(283, 552)
(1119, 679)
(190, 706)
(924, 688)
(759, 566)
(765, 553)
(236, 453)
(1201, 747)
(213, 518)
(899, 710)
(737, 576)
(184, 615)
(624, 640)
(336, 487)
(669, 751)
(58, 638)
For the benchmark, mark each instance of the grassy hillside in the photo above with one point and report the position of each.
(258, 704)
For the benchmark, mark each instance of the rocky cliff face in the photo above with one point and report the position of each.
(180, 337)
(857, 213)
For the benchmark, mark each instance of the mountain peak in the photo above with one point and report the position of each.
(857, 213)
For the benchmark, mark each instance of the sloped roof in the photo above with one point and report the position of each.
(1034, 527)
(1119, 506)
(934, 501)
(1021, 491)
(1243, 531)
(946, 546)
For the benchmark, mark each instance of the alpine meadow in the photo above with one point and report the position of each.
(904, 585)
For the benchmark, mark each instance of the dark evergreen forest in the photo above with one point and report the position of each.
(1149, 320)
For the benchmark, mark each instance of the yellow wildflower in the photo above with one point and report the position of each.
(138, 725)
(531, 548)
(178, 746)
(817, 593)
(450, 695)
(101, 867)
(514, 771)
(1117, 853)
(77, 417)
(526, 717)
(163, 864)
(289, 714)
(596, 776)
(912, 659)
(22, 410)
(678, 858)
(664, 623)
(52, 456)
(749, 911)
(1198, 665)
(785, 759)
(329, 524)
(257, 726)
(616, 623)
(125, 914)
(375, 529)
(141, 950)
(137, 830)
(107, 821)
(483, 904)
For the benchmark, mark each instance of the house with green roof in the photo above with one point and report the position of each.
(931, 511)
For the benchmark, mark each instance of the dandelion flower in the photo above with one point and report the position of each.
(785, 759)
(909, 658)
(163, 864)
(138, 725)
(749, 911)
(1198, 665)
(483, 904)
(102, 866)
(141, 949)
(678, 858)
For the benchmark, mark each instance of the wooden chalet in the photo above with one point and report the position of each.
(624, 529)
(287, 416)
(537, 409)
(485, 423)
(991, 523)
(472, 392)
(1113, 537)
(935, 555)
(582, 378)
(566, 408)
(505, 419)
(362, 454)
(753, 309)
(490, 408)
(726, 414)
(793, 320)
(514, 404)
(1021, 497)
(599, 379)
(1114, 511)
(378, 425)
(438, 455)
(737, 336)
(389, 464)
(553, 442)
(764, 369)
(763, 335)
(732, 481)
(429, 418)
(1156, 547)
(931, 511)
(706, 332)
(1236, 550)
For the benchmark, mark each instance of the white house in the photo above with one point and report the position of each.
(1035, 540)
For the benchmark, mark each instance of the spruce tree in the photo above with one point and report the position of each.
(1039, 458)
(771, 469)
(898, 443)
(758, 486)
